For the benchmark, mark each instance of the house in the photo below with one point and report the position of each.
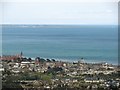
(92, 80)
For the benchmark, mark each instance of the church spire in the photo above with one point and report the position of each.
(21, 54)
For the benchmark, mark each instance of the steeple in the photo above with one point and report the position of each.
(21, 54)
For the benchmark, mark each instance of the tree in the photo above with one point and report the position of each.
(53, 60)
(29, 59)
(48, 60)
(11, 82)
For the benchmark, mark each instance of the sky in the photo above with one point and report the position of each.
(75, 12)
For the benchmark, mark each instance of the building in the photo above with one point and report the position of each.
(11, 57)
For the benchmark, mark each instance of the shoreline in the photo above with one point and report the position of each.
(90, 61)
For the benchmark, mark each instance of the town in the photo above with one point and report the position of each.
(23, 73)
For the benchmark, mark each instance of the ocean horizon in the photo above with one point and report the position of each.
(94, 43)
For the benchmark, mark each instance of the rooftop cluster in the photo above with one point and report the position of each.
(26, 73)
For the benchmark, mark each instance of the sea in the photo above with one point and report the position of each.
(94, 43)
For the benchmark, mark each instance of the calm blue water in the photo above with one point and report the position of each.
(94, 43)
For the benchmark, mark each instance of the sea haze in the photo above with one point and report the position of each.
(63, 42)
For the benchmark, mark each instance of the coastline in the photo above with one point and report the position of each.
(90, 61)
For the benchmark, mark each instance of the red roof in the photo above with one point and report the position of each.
(10, 57)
